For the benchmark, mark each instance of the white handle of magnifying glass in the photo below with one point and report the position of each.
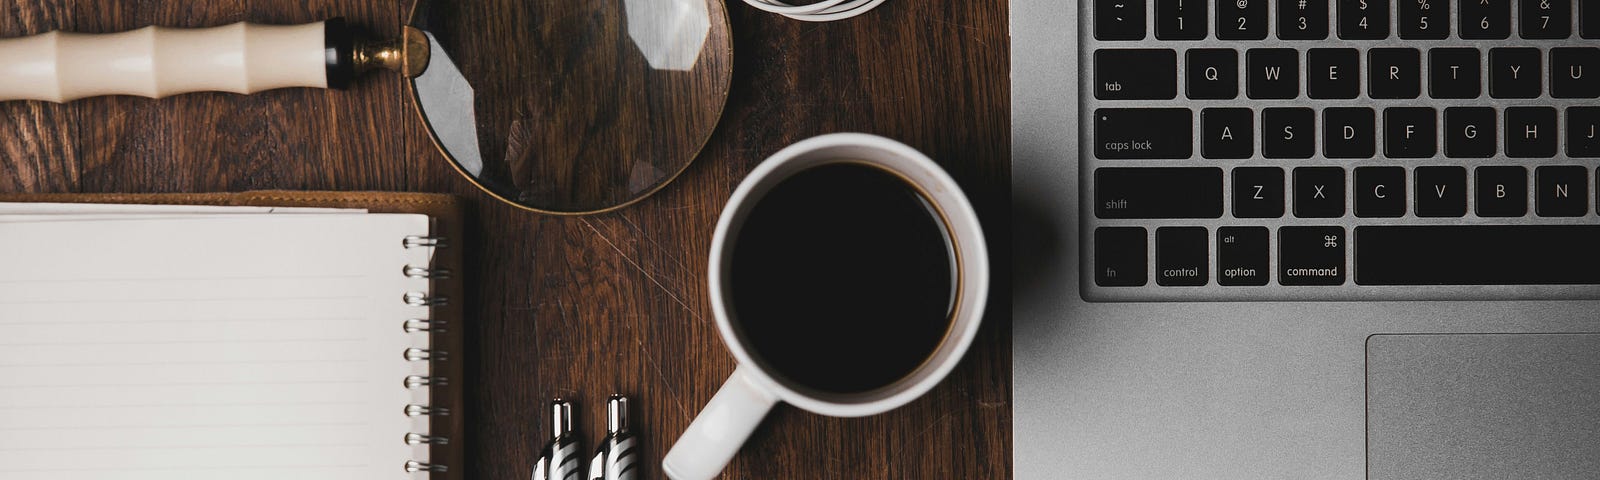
(158, 62)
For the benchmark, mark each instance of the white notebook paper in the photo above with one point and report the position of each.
(209, 342)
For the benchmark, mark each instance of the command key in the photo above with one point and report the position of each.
(1311, 255)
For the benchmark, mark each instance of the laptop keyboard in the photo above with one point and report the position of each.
(1340, 149)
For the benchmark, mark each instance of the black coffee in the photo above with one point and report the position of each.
(842, 278)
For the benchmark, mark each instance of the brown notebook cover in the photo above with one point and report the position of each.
(448, 214)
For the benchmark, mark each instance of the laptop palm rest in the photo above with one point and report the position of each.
(1474, 406)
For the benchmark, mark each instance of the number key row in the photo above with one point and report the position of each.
(1357, 19)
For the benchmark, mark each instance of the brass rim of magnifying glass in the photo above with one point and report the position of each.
(416, 103)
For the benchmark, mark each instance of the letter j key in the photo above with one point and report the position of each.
(1583, 132)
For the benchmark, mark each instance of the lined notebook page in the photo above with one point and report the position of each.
(239, 346)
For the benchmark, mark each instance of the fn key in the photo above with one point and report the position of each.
(1120, 256)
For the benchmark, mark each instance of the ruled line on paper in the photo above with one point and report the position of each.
(182, 300)
(185, 279)
(182, 342)
(180, 405)
(183, 427)
(188, 362)
(185, 447)
(187, 384)
(178, 321)
(186, 469)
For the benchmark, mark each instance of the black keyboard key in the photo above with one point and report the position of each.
(1424, 19)
(1409, 132)
(1502, 191)
(1441, 191)
(1258, 192)
(1183, 256)
(1394, 73)
(1469, 132)
(1349, 132)
(1288, 132)
(1514, 72)
(1589, 18)
(1561, 191)
(1380, 192)
(1583, 132)
(1303, 19)
(1149, 74)
(1485, 19)
(1241, 19)
(1546, 19)
(1319, 192)
(1454, 73)
(1311, 256)
(1143, 133)
(1213, 73)
(1364, 19)
(1272, 73)
(1227, 133)
(1176, 192)
(1477, 255)
(1242, 254)
(1121, 256)
(1333, 73)
(1531, 132)
(1119, 19)
(1575, 72)
(1181, 19)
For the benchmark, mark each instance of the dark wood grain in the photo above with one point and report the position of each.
(583, 307)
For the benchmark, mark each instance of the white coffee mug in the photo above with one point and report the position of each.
(716, 435)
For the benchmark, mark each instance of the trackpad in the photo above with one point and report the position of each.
(1483, 406)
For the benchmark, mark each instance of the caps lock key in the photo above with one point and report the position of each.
(1143, 133)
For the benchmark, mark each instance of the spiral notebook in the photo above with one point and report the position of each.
(237, 342)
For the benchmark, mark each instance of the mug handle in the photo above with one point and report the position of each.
(720, 429)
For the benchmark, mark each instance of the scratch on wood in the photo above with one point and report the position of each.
(968, 28)
(636, 266)
(683, 410)
(676, 259)
(943, 419)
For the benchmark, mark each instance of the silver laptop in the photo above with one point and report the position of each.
(1306, 238)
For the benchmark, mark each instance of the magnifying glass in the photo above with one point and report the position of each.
(558, 107)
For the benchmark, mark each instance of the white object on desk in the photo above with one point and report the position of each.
(176, 343)
(823, 11)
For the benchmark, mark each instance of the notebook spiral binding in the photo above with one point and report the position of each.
(424, 326)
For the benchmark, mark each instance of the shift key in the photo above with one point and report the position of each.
(1143, 133)
(1158, 192)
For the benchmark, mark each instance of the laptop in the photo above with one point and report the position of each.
(1306, 239)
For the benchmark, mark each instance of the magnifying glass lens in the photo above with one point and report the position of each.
(576, 106)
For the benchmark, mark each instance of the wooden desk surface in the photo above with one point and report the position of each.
(583, 307)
